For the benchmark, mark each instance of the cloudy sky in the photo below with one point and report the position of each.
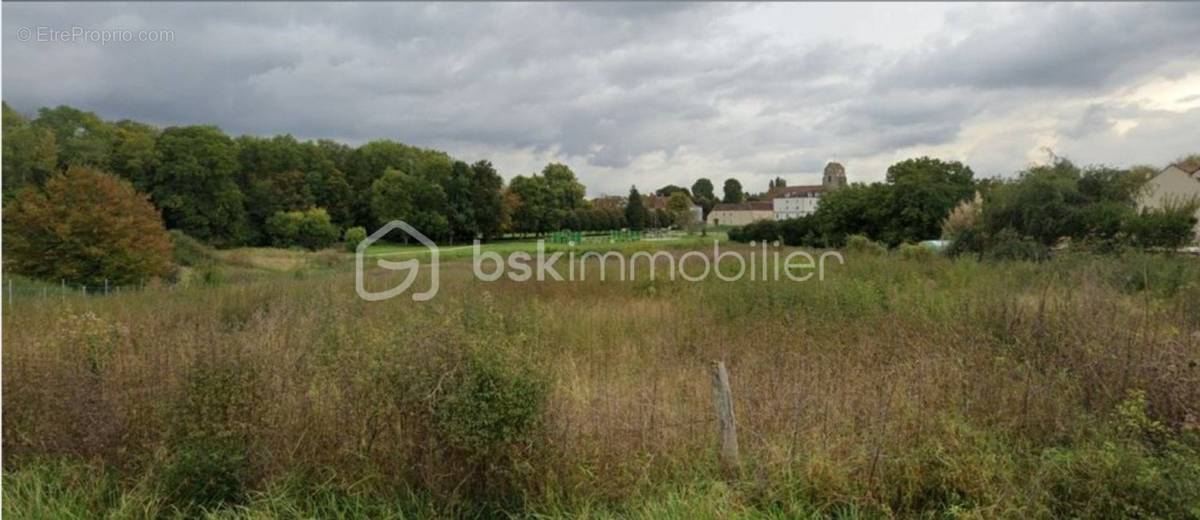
(645, 94)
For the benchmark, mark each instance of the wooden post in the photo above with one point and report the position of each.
(10, 292)
(723, 399)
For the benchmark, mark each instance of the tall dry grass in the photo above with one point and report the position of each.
(896, 387)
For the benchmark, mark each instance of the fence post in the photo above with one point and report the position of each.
(723, 399)
(83, 289)
(63, 281)
(106, 286)
(10, 294)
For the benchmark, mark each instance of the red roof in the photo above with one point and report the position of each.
(745, 206)
(793, 191)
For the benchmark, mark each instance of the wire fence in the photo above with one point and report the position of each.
(13, 291)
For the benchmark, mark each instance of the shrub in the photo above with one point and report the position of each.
(492, 405)
(86, 227)
(759, 230)
(915, 252)
(1171, 227)
(208, 445)
(188, 251)
(1009, 245)
(353, 237)
(311, 229)
(863, 245)
(800, 231)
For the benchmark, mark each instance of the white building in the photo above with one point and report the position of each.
(795, 201)
(1173, 185)
(798, 201)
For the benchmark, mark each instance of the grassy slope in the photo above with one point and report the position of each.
(895, 388)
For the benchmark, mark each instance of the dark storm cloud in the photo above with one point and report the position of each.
(602, 85)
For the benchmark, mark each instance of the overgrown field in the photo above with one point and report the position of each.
(898, 387)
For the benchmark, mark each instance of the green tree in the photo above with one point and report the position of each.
(134, 153)
(331, 191)
(274, 193)
(311, 228)
(679, 204)
(733, 192)
(702, 192)
(460, 208)
(923, 192)
(486, 198)
(565, 190)
(30, 153)
(415, 200)
(858, 209)
(195, 185)
(86, 227)
(368, 163)
(635, 212)
(83, 139)
(668, 190)
(536, 211)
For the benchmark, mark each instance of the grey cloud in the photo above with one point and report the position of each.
(1057, 46)
(599, 85)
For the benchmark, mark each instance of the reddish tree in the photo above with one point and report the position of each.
(85, 227)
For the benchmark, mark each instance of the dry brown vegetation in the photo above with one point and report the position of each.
(894, 388)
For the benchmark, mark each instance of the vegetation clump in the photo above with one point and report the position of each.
(86, 227)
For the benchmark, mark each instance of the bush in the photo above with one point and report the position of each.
(759, 230)
(801, 231)
(208, 463)
(489, 407)
(863, 245)
(353, 237)
(1171, 227)
(1008, 245)
(311, 229)
(915, 252)
(188, 251)
(86, 227)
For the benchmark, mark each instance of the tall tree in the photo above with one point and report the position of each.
(703, 195)
(83, 139)
(486, 198)
(134, 155)
(566, 192)
(733, 192)
(669, 189)
(635, 212)
(460, 207)
(30, 153)
(535, 212)
(415, 200)
(924, 191)
(195, 187)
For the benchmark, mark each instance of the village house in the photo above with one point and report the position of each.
(1173, 185)
(740, 214)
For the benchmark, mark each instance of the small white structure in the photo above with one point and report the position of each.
(1174, 185)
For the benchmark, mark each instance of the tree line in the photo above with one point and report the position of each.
(279, 191)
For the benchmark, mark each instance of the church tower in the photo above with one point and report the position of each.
(835, 177)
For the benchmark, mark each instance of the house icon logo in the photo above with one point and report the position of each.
(412, 265)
